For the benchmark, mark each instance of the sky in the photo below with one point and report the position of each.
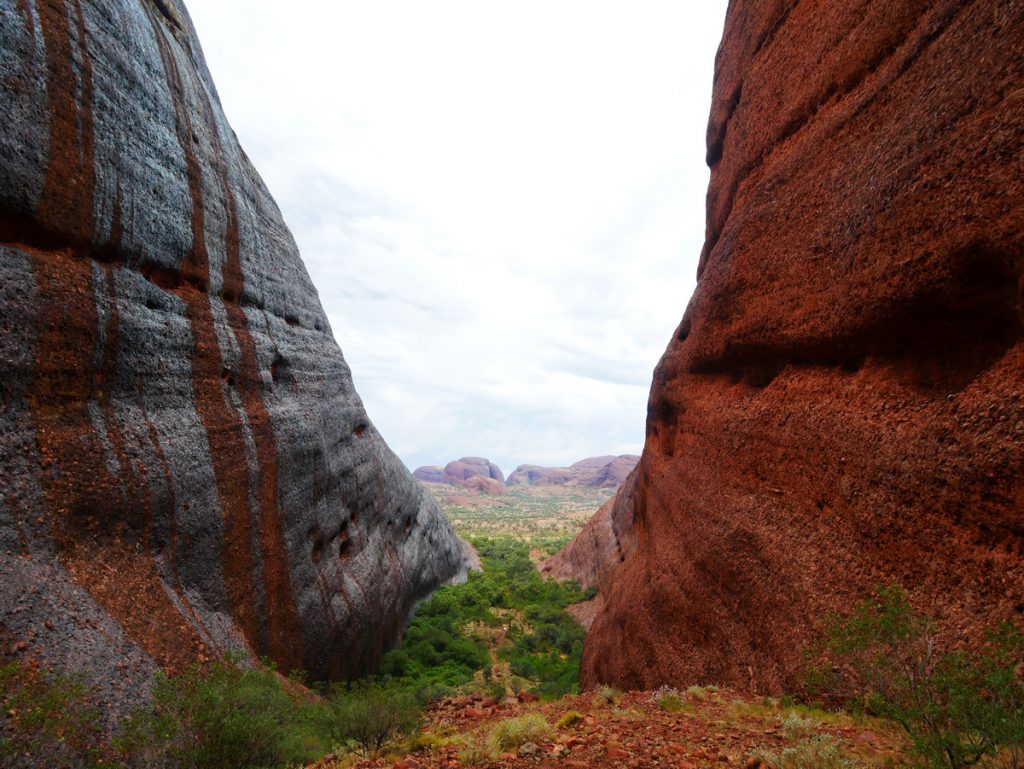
(501, 203)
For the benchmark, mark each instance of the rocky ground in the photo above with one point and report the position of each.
(700, 729)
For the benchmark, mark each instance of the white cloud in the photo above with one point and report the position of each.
(501, 204)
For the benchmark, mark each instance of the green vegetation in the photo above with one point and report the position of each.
(48, 714)
(958, 708)
(513, 733)
(545, 516)
(227, 716)
(670, 700)
(223, 715)
(505, 617)
(369, 715)
(820, 752)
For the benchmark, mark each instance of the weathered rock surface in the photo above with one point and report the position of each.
(842, 404)
(459, 470)
(483, 485)
(595, 472)
(429, 474)
(185, 467)
(598, 550)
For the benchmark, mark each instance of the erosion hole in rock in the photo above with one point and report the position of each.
(278, 367)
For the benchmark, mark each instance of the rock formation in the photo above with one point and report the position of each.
(596, 472)
(598, 550)
(429, 474)
(481, 485)
(185, 467)
(461, 469)
(842, 404)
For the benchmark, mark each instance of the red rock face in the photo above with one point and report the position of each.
(459, 470)
(842, 404)
(600, 548)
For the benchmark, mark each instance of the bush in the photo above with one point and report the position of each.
(225, 716)
(956, 707)
(368, 715)
(670, 700)
(795, 727)
(571, 718)
(48, 714)
(821, 752)
(443, 644)
(512, 733)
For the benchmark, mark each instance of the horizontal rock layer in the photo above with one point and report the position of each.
(185, 467)
(842, 404)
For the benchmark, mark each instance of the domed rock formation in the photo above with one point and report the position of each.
(478, 483)
(842, 404)
(596, 472)
(458, 471)
(429, 474)
(185, 467)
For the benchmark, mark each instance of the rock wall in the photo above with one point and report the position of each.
(600, 548)
(842, 404)
(185, 467)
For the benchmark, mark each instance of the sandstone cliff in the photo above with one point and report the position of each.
(843, 402)
(185, 467)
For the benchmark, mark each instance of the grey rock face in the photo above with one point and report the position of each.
(182, 454)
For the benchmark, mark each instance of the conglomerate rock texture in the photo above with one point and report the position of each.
(185, 467)
(842, 404)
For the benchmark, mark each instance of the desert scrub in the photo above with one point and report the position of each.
(510, 734)
(796, 727)
(571, 718)
(369, 715)
(45, 713)
(821, 752)
(228, 716)
(447, 643)
(607, 695)
(670, 700)
(958, 708)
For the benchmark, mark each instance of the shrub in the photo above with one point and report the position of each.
(670, 700)
(570, 718)
(956, 707)
(821, 752)
(226, 716)
(795, 727)
(48, 714)
(511, 733)
(368, 715)
(609, 694)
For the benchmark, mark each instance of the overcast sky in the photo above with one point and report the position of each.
(500, 203)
